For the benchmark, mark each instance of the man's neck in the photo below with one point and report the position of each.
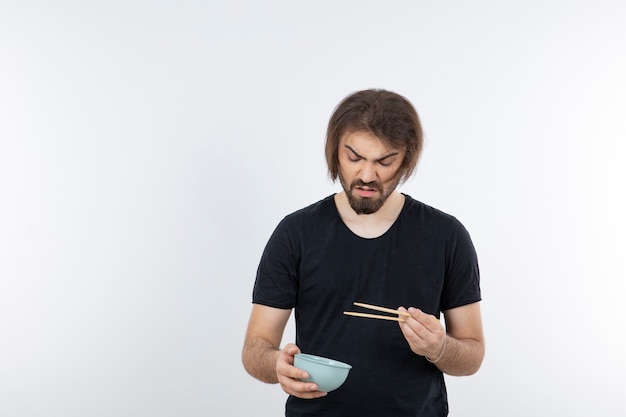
(370, 225)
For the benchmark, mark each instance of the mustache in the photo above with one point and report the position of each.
(359, 183)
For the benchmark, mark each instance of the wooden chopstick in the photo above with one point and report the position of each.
(383, 309)
(372, 316)
(378, 316)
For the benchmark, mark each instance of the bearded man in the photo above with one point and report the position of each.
(371, 243)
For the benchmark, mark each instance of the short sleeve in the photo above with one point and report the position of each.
(462, 275)
(276, 283)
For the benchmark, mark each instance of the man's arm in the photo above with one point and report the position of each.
(457, 350)
(261, 347)
(263, 359)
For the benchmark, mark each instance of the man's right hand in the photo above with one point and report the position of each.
(288, 375)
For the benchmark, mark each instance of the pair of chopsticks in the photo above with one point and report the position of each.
(378, 316)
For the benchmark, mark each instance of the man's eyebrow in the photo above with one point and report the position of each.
(353, 151)
(393, 153)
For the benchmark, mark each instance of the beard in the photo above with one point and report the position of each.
(367, 205)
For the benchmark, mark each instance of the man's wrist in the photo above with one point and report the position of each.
(443, 349)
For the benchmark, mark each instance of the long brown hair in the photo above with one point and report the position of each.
(388, 115)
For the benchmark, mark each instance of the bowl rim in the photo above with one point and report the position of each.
(323, 361)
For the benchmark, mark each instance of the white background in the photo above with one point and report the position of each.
(148, 149)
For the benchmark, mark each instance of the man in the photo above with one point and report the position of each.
(373, 244)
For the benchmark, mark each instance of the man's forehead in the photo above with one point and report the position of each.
(364, 139)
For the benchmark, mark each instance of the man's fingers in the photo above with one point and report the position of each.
(422, 331)
(427, 320)
(300, 389)
(291, 349)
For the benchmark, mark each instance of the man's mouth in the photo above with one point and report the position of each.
(365, 191)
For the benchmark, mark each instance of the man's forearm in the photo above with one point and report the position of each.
(259, 359)
(461, 357)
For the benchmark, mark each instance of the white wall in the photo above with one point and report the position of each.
(148, 149)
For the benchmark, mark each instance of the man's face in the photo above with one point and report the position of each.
(368, 170)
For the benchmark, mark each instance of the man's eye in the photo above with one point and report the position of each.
(385, 163)
(354, 159)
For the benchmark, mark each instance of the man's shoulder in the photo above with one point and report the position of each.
(416, 210)
(416, 207)
(319, 208)
(310, 217)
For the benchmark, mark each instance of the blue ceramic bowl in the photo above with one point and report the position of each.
(328, 374)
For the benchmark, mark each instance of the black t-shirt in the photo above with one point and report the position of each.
(314, 263)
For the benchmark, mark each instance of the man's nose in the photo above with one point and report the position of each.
(368, 172)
